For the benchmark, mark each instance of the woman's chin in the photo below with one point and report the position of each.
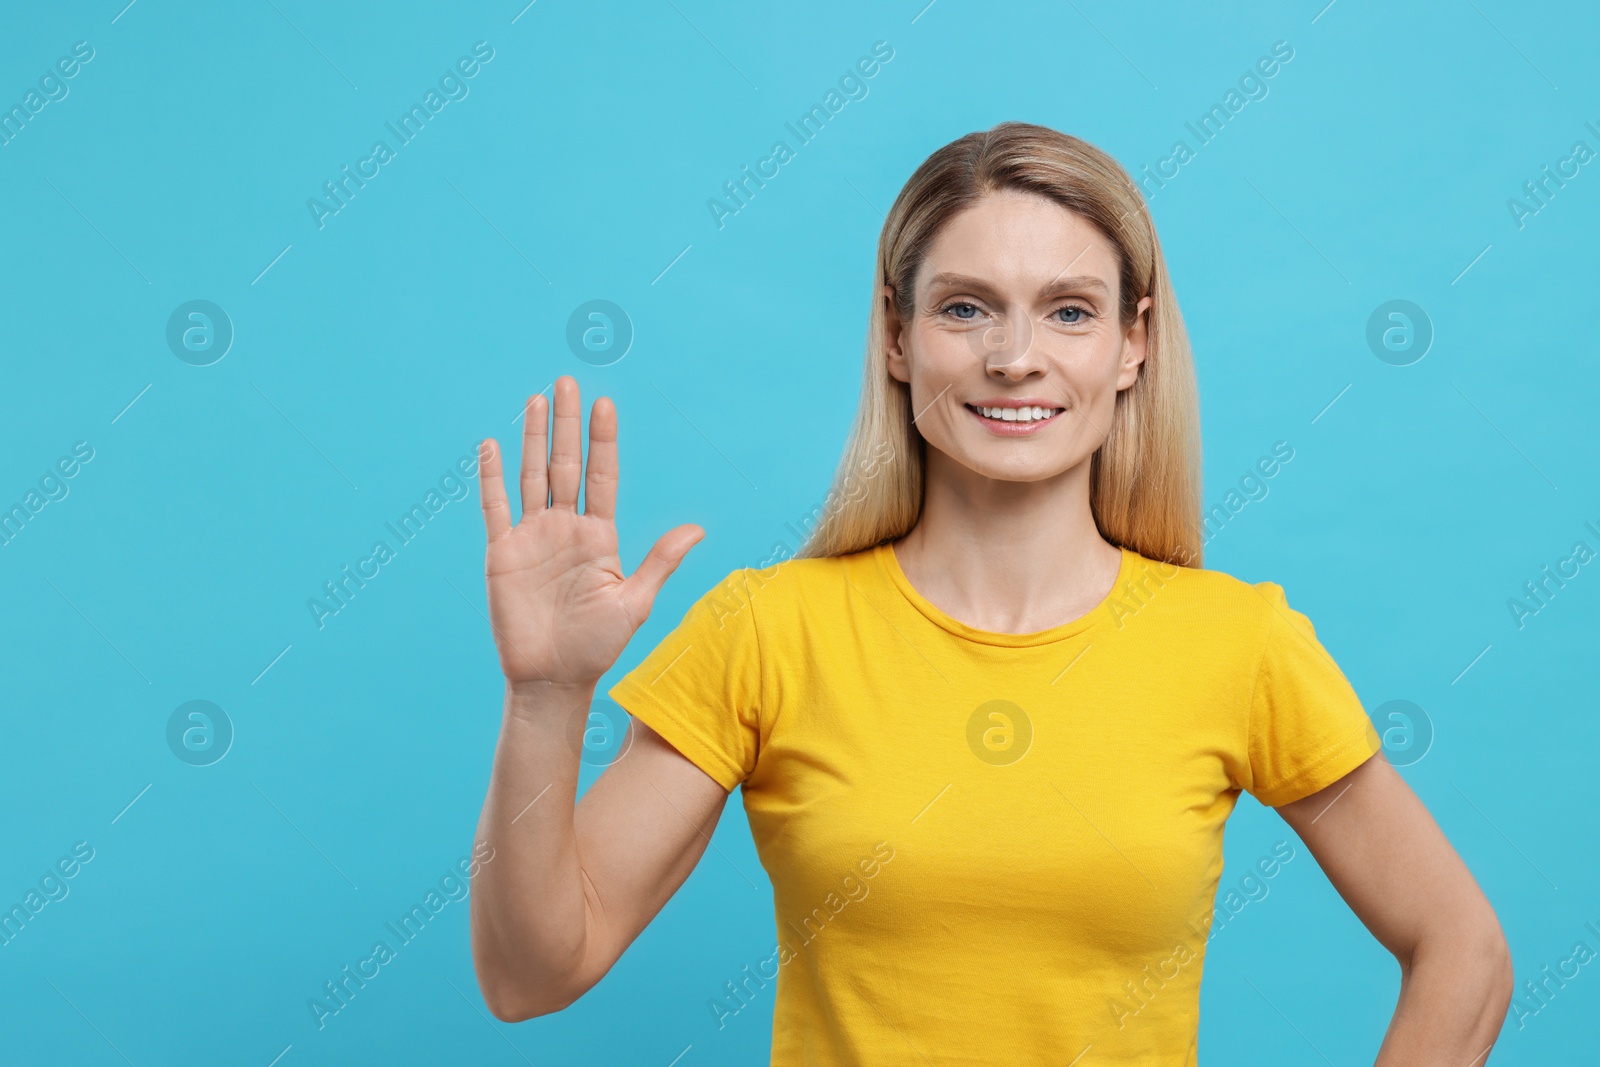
(1015, 468)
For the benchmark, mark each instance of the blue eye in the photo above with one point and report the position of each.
(1082, 313)
(959, 304)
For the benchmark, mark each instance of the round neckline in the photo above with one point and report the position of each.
(890, 564)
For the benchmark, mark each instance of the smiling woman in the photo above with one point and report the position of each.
(950, 664)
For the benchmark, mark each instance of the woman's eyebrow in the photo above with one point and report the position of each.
(966, 281)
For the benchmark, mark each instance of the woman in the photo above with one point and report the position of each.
(992, 719)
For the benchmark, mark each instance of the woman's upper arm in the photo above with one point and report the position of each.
(641, 828)
(1375, 840)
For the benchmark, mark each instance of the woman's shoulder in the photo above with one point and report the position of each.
(1213, 593)
(806, 574)
(791, 579)
(799, 564)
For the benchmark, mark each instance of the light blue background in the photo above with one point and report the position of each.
(378, 348)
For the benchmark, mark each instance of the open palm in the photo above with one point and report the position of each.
(561, 609)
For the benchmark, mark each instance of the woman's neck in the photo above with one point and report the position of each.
(1008, 557)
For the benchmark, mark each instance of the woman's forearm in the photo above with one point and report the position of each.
(528, 910)
(1454, 992)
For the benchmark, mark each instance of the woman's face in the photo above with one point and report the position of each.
(1016, 315)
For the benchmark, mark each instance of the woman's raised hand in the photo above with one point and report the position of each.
(560, 608)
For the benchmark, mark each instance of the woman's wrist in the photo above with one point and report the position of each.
(537, 697)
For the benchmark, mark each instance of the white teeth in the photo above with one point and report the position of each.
(1024, 414)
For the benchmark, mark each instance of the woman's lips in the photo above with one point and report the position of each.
(1003, 427)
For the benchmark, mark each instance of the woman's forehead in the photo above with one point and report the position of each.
(1020, 241)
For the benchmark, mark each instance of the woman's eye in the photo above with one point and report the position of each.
(1082, 313)
(966, 312)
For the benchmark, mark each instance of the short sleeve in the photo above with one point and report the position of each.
(700, 688)
(1307, 726)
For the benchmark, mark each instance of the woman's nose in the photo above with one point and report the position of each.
(1008, 349)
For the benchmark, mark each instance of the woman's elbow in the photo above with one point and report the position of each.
(511, 1002)
(1476, 949)
(1469, 944)
(1492, 949)
(519, 982)
(505, 1004)
(1497, 954)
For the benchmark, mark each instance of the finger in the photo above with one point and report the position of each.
(600, 479)
(535, 434)
(639, 589)
(566, 445)
(492, 491)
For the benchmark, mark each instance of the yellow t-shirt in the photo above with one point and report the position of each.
(992, 848)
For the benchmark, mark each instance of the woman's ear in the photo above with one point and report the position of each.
(1135, 345)
(894, 338)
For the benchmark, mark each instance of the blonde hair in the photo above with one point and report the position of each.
(1144, 481)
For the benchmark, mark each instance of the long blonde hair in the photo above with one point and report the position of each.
(1144, 481)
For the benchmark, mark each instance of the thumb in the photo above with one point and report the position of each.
(639, 589)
